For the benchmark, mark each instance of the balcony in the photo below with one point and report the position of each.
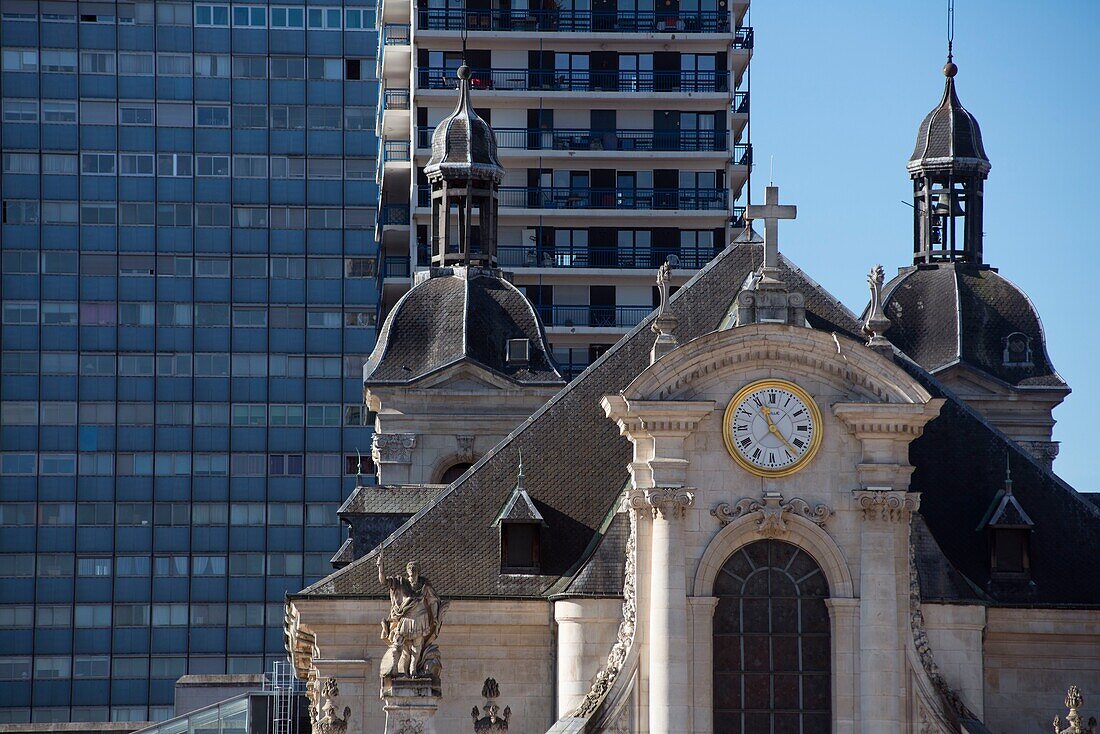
(694, 141)
(396, 215)
(565, 197)
(581, 21)
(595, 317)
(395, 34)
(578, 80)
(395, 99)
(618, 258)
(396, 266)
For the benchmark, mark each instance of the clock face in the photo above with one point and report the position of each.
(772, 428)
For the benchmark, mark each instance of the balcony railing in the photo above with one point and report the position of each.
(394, 214)
(578, 80)
(581, 139)
(566, 197)
(621, 258)
(600, 317)
(395, 34)
(395, 99)
(396, 266)
(581, 21)
(395, 150)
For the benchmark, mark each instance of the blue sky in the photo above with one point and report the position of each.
(838, 90)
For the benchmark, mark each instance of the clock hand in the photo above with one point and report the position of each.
(772, 428)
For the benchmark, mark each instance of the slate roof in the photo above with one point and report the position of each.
(453, 537)
(575, 462)
(949, 136)
(460, 314)
(390, 499)
(464, 145)
(950, 313)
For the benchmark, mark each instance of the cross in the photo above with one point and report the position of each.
(771, 212)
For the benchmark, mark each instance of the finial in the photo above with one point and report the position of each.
(519, 475)
(950, 69)
(1008, 475)
(358, 468)
(464, 72)
(876, 322)
(665, 323)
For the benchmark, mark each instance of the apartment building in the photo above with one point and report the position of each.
(622, 129)
(189, 291)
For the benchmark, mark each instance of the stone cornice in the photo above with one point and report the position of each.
(870, 420)
(888, 505)
(656, 417)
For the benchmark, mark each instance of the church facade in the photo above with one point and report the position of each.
(756, 513)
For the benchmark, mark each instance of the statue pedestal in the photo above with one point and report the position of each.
(410, 705)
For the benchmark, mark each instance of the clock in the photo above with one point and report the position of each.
(772, 428)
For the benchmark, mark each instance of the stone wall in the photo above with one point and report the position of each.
(1031, 657)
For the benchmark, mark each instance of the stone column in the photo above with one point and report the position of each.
(702, 609)
(586, 631)
(884, 528)
(669, 695)
(410, 705)
(844, 629)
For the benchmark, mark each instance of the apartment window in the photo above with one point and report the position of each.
(59, 111)
(283, 67)
(18, 413)
(59, 163)
(97, 365)
(212, 65)
(173, 314)
(284, 564)
(360, 319)
(209, 615)
(286, 365)
(174, 164)
(97, 314)
(60, 212)
(332, 69)
(19, 363)
(92, 666)
(286, 415)
(62, 62)
(323, 415)
(171, 566)
(96, 413)
(323, 268)
(57, 263)
(323, 465)
(249, 16)
(211, 465)
(174, 215)
(172, 514)
(20, 312)
(324, 19)
(250, 67)
(288, 117)
(283, 167)
(94, 567)
(135, 365)
(59, 314)
(131, 114)
(174, 365)
(16, 617)
(360, 169)
(212, 116)
(134, 513)
(17, 465)
(139, 64)
(172, 464)
(248, 615)
(97, 164)
(136, 314)
(249, 414)
(288, 268)
(285, 465)
(97, 18)
(321, 319)
(95, 514)
(51, 667)
(20, 110)
(249, 318)
(133, 566)
(325, 168)
(212, 165)
(20, 212)
(16, 565)
(174, 266)
(212, 267)
(212, 215)
(250, 216)
(317, 218)
(54, 615)
(15, 668)
(355, 415)
(287, 217)
(19, 59)
(173, 414)
(282, 17)
(98, 213)
(135, 414)
(98, 465)
(359, 118)
(58, 414)
(97, 62)
(58, 363)
(212, 16)
(360, 217)
(136, 213)
(249, 116)
(136, 164)
(14, 514)
(131, 615)
(248, 465)
(358, 20)
(212, 314)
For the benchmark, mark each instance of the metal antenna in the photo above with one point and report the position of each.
(950, 28)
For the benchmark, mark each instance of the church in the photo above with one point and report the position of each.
(758, 512)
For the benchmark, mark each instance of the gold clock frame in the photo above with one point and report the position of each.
(807, 400)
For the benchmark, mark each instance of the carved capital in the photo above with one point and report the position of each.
(888, 505)
(665, 502)
(771, 512)
(465, 446)
(393, 447)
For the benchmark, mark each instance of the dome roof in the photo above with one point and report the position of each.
(463, 145)
(460, 314)
(958, 313)
(949, 136)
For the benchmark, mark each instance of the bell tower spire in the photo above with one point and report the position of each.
(948, 168)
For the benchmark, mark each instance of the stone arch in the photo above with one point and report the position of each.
(800, 532)
(448, 462)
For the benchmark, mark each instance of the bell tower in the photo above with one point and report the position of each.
(464, 175)
(948, 167)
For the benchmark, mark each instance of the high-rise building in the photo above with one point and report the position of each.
(189, 293)
(622, 128)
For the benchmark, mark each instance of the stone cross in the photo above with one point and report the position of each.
(771, 211)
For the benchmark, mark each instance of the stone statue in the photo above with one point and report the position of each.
(1074, 701)
(415, 618)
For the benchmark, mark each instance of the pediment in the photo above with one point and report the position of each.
(464, 376)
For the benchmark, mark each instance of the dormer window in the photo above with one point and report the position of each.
(1008, 535)
(520, 525)
(518, 351)
(1017, 350)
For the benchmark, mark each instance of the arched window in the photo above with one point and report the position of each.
(771, 643)
(454, 471)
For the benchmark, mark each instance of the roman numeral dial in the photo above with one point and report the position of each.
(772, 428)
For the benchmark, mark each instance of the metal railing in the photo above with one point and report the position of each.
(396, 266)
(566, 197)
(577, 80)
(582, 21)
(395, 34)
(600, 317)
(395, 150)
(393, 214)
(581, 139)
(395, 99)
(620, 258)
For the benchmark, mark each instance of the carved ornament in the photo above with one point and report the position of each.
(888, 505)
(465, 446)
(664, 502)
(490, 718)
(771, 513)
(1074, 701)
(393, 447)
(329, 721)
